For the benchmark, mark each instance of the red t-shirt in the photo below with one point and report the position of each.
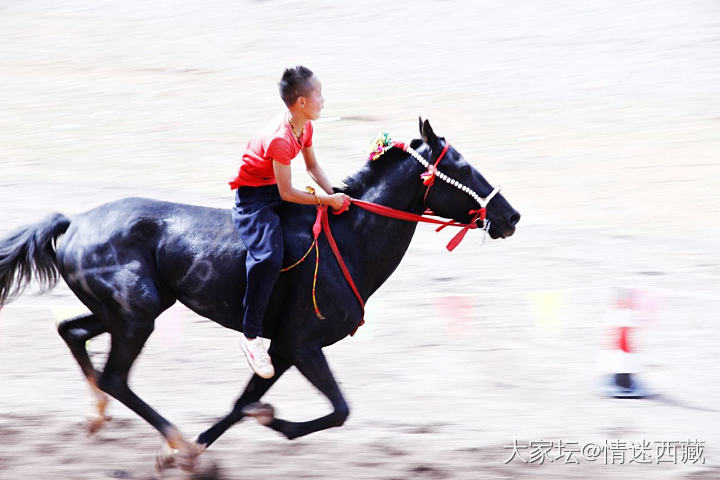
(276, 141)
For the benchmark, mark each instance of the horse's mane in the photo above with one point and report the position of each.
(372, 172)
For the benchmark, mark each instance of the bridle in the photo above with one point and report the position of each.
(432, 171)
(428, 178)
(384, 143)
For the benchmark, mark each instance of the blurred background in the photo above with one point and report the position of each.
(601, 121)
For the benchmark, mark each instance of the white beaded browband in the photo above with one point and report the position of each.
(451, 181)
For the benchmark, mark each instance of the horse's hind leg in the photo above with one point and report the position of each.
(118, 280)
(126, 345)
(76, 332)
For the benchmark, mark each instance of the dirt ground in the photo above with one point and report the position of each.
(600, 120)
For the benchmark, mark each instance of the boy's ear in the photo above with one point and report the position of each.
(427, 133)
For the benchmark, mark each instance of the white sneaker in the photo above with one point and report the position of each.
(257, 356)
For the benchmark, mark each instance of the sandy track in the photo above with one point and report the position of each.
(601, 124)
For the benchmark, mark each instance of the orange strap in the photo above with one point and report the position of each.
(321, 223)
(343, 267)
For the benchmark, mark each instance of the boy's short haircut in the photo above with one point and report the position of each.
(295, 83)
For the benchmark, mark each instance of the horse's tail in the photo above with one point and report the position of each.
(30, 252)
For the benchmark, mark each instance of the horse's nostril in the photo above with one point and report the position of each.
(514, 219)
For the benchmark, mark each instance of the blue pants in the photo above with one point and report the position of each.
(258, 223)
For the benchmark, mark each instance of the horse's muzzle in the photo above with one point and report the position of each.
(507, 230)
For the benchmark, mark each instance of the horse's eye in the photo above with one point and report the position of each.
(465, 171)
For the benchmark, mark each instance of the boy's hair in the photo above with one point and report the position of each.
(295, 83)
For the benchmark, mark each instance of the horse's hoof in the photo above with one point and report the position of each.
(165, 457)
(262, 412)
(178, 451)
(186, 458)
(95, 423)
(96, 419)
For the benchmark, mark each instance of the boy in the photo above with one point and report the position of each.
(263, 182)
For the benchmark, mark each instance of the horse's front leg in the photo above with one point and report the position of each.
(313, 365)
(255, 389)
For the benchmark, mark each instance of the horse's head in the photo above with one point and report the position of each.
(454, 198)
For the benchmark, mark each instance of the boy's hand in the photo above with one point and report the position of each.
(336, 200)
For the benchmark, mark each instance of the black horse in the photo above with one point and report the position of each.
(130, 260)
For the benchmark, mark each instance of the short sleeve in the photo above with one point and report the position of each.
(309, 137)
(278, 149)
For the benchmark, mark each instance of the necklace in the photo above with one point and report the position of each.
(297, 135)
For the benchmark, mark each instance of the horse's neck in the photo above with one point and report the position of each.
(382, 241)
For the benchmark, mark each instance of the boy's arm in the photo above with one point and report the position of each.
(283, 176)
(315, 170)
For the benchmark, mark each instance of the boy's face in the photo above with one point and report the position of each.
(312, 104)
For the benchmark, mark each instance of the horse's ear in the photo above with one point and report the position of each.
(420, 125)
(427, 133)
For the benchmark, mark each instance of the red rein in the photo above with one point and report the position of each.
(411, 217)
(322, 223)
